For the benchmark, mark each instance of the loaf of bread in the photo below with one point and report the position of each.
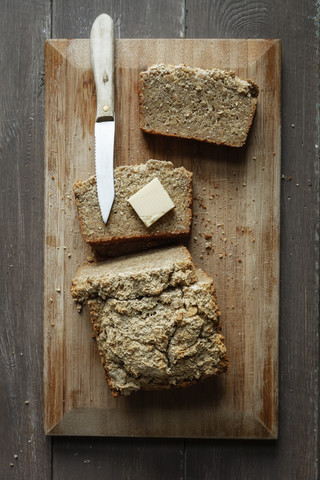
(124, 230)
(155, 318)
(210, 105)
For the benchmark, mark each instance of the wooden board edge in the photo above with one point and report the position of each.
(92, 422)
(52, 48)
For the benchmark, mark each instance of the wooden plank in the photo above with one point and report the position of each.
(142, 19)
(23, 29)
(295, 454)
(120, 458)
(242, 215)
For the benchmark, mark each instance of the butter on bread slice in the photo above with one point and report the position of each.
(151, 202)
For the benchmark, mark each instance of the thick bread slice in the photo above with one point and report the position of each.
(133, 276)
(210, 105)
(159, 342)
(124, 231)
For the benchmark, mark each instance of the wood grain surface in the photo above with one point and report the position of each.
(24, 27)
(235, 238)
(21, 243)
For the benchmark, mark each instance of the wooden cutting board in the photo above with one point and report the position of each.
(235, 238)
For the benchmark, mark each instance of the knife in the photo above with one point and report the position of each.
(102, 60)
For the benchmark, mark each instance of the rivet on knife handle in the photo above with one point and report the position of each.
(102, 60)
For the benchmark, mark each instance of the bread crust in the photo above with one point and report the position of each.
(221, 367)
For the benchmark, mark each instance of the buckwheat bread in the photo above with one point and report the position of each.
(210, 105)
(158, 336)
(124, 230)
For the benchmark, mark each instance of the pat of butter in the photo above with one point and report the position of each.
(151, 202)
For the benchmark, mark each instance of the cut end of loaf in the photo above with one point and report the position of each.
(133, 276)
(213, 105)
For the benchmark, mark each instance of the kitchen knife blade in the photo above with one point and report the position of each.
(102, 60)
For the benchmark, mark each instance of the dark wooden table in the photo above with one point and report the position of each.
(25, 452)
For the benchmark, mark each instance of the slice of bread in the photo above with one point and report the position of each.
(124, 231)
(133, 276)
(156, 320)
(210, 105)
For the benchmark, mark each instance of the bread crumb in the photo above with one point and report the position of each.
(26, 402)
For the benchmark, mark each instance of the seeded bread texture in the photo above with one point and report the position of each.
(210, 105)
(163, 334)
(124, 228)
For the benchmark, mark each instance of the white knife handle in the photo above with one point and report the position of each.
(102, 60)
